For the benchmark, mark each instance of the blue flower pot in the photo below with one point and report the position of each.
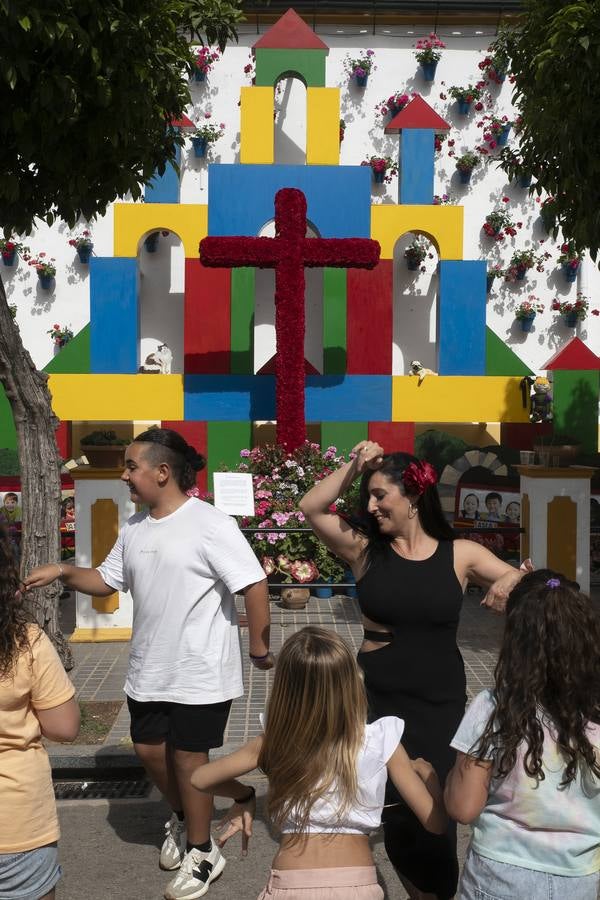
(151, 242)
(570, 319)
(489, 283)
(428, 69)
(463, 106)
(361, 80)
(521, 273)
(200, 145)
(465, 175)
(84, 254)
(502, 138)
(199, 75)
(8, 258)
(570, 273)
(524, 181)
(323, 591)
(500, 76)
(527, 324)
(378, 177)
(46, 281)
(349, 577)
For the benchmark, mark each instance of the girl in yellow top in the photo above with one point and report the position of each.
(36, 698)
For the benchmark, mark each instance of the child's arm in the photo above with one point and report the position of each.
(467, 788)
(220, 778)
(419, 787)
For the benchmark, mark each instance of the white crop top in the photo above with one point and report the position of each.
(379, 743)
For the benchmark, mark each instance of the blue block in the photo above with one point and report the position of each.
(164, 188)
(242, 198)
(114, 332)
(348, 398)
(461, 317)
(223, 398)
(415, 183)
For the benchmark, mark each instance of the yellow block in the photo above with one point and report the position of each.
(441, 224)
(105, 528)
(257, 126)
(112, 398)
(87, 635)
(457, 398)
(561, 540)
(322, 126)
(133, 221)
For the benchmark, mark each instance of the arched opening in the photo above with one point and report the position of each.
(161, 268)
(264, 311)
(290, 120)
(415, 305)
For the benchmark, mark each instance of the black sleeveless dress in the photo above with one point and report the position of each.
(420, 677)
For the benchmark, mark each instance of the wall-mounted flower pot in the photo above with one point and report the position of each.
(46, 281)
(84, 254)
(527, 323)
(294, 597)
(498, 76)
(502, 138)
(199, 75)
(323, 591)
(463, 106)
(521, 274)
(570, 272)
(570, 319)
(361, 80)
(105, 456)
(8, 257)
(465, 175)
(412, 263)
(151, 242)
(378, 177)
(524, 181)
(200, 145)
(428, 70)
(489, 283)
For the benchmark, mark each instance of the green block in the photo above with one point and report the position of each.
(74, 357)
(575, 397)
(308, 65)
(8, 434)
(242, 321)
(224, 442)
(500, 359)
(334, 321)
(343, 435)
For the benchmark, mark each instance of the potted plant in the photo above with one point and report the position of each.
(548, 214)
(205, 134)
(383, 168)
(428, 54)
(523, 260)
(45, 268)
(360, 67)
(438, 140)
(495, 130)
(60, 335)
(498, 224)
(465, 96)
(393, 105)
(415, 253)
(512, 163)
(573, 311)
(443, 200)
(104, 449)
(526, 312)
(11, 249)
(496, 63)
(465, 165)
(342, 130)
(495, 272)
(83, 244)
(204, 60)
(570, 260)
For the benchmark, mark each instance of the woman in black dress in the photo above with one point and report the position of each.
(410, 574)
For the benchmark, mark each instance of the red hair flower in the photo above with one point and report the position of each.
(417, 477)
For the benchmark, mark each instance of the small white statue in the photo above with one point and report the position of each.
(417, 368)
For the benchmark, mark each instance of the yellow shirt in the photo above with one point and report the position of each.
(28, 816)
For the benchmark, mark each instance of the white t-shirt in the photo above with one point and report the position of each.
(379, 743)
(182, 571)
(536, 824)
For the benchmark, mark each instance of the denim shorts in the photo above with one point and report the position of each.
(486, 879)
(29, 875)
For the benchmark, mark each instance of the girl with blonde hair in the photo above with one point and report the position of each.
(327, 770)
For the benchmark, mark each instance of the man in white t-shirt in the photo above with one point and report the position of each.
(182, 560)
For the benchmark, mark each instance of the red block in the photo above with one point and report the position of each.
(394, 437)
(370, 320)
(207, 320)
(196, 434)
(63, 439)
(523, 435)
(575, 357)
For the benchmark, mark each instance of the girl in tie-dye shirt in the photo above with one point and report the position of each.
(527, 774)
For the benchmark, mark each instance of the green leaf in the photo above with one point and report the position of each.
(585, 42)
(25, 23)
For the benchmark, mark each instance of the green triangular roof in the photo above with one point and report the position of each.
(74, 358)
(500, 359)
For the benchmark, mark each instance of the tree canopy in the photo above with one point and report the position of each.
(555, 55)
(87, 88)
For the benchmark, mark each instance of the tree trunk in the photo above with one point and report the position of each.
(27, 392)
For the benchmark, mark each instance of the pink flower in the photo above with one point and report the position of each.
(304, 570)
(268, 564)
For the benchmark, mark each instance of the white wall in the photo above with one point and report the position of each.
(415, 294)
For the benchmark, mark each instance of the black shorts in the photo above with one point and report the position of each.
(196, 728)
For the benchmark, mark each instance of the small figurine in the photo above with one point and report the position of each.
(416, 368)
(539, 391)
(158, 362)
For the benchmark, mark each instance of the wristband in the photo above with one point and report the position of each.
(60, 570)
(247, 799)
(259, 658)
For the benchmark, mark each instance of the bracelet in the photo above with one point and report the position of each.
(247, 799)
(259, 658)
(60, 570)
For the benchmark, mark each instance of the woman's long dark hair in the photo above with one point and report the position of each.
(431, 515)
(168, 446)
(14, 624)
(547, 670)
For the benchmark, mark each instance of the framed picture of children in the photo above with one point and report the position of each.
(10, 507)
(484, 507)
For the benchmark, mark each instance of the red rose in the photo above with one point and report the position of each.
(417, 477)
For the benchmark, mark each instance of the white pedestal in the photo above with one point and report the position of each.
(102, 506)
(555, 513)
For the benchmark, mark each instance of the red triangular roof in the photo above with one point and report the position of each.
(290, 32)
(417, 114)
(182, 122)
(574, 357)
(269, 368)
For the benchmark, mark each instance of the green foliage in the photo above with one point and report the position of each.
(555, 56)
(103, 439)
(439, 448)
(9, 462)
(87, 89)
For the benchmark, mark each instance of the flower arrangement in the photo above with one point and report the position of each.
(207, 131)
(495, 131)
(466, 95)
(428, 50)
(548, 213)
(467, 162)
(576, 310)
(362, 66)
(511, 162)
(496, 271)
(498, 224)
(529, 308)
(496, 63)
(342, 130)
(82, 240)
(9, 249)
(43, 265)
(384, 168)
(443, 200)
(416, 252)
(521, 261)
(393, 104)
(59, 334)
(204, 59)
(569, 257)
(438, 141)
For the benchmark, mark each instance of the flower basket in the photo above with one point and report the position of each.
(83, 244)
(570, 260)
(60, 336)
(204, 60)
(84, 254)
(571, 319)
(527, 323)
(493, 273)
(465, 165)
(361, 67)
(11, 249)
(206, 133)
(526, 312)
(521, 262)
(200, 145)
(428, 55)
(575, 311)
(465, 97)
(415, 254)
(524, 181)
(8, 257)
(570, 271)
(382, 167)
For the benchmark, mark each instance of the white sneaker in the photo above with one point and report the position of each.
(173, 848)
(196, 873)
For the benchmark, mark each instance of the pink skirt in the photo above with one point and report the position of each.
(342, 883)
